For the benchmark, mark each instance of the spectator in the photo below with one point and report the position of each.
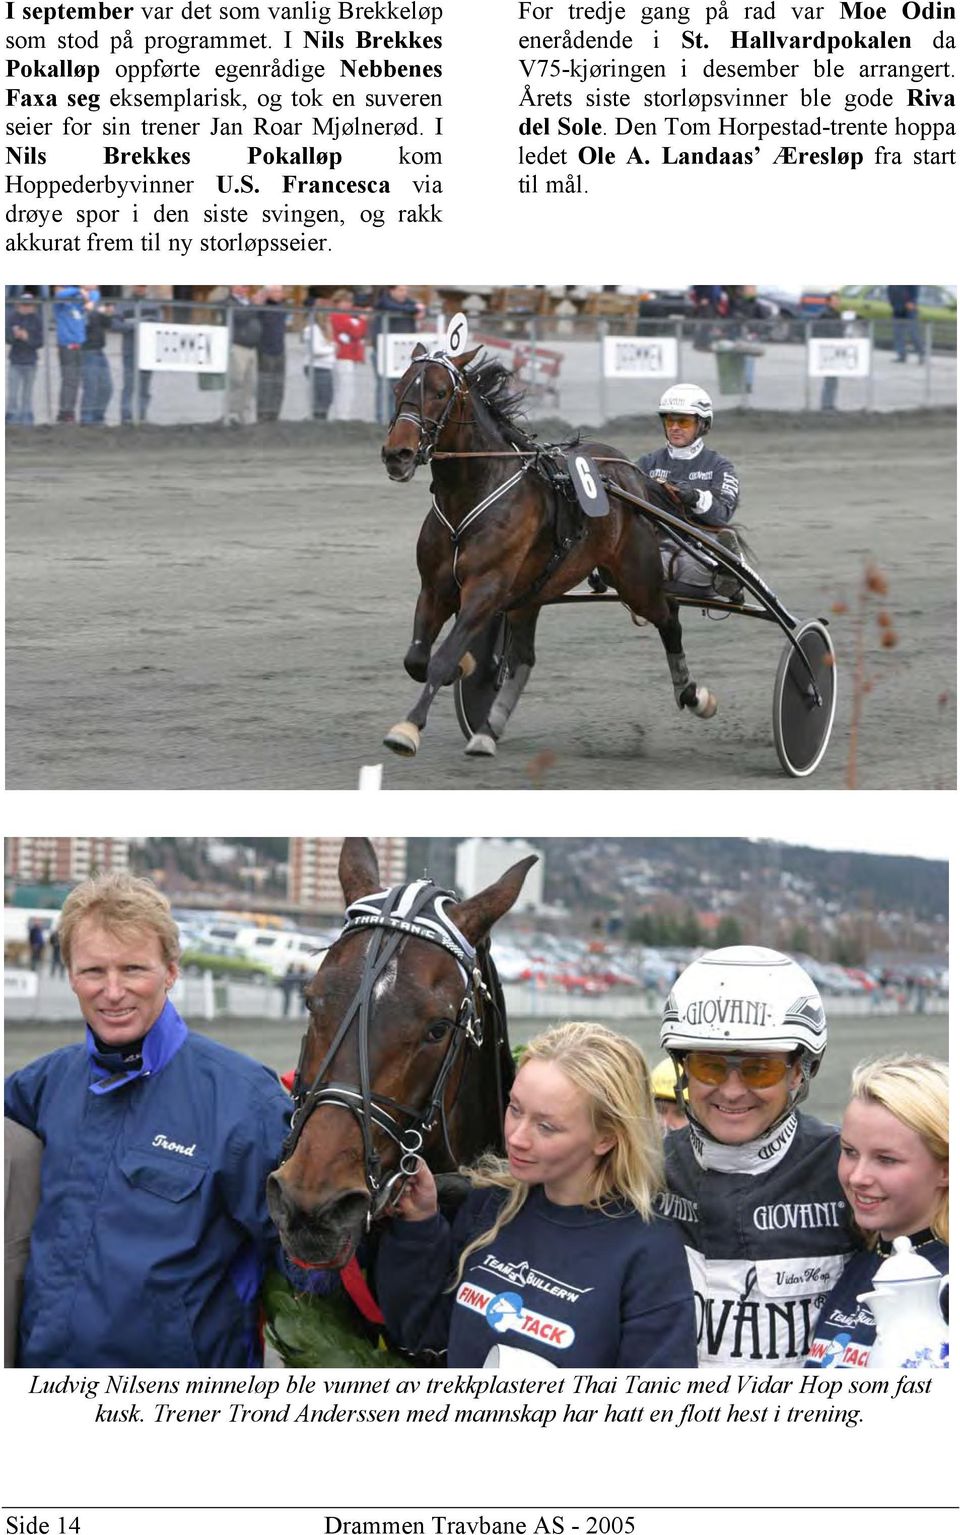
(271, 351)
(36, 939)
(22, 1152)
(319, 362)
(349, 333)
(97, 383)
(746, 315)
(290, 985)
(56, 961)
(69, 312)
(152, 1233)
(906, 321)
(708, 298)
(127, 317)
(244, 340)
(397, 311)
(25, 337)
(669, 1102)
(830, 323)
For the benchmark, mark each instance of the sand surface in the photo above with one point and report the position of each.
(199, 608)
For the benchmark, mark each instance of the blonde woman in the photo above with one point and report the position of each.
(556, 1249)
(894, 1171)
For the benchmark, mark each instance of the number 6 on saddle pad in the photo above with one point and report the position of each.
(587, 484)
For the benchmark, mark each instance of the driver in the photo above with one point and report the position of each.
(706, 483)
(752, 1183)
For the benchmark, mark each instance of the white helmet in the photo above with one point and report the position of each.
(687, 400)
(746, 1000)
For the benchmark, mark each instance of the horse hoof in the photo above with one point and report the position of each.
(467, 665)
(415, 665)
(706, 705)
(404, 739)
(480, 745)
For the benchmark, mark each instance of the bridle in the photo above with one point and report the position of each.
(428, 427)
(407, 911)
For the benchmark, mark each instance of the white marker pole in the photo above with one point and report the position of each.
(371, 777)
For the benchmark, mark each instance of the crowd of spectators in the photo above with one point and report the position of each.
(340, 334)
(338, 338)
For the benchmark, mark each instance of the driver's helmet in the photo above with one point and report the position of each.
(687, 400)
(746, 1000)
(663, 1080)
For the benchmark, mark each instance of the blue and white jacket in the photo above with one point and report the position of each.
(69, 312)
(152, 1234)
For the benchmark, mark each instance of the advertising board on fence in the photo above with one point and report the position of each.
(20, 983)
(640, 356)
(164, 348)
(838, 356)
(395, 349)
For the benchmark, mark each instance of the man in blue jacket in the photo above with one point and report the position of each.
(152, 1234)
(70, 304)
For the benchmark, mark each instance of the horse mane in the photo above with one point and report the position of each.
(495, 386)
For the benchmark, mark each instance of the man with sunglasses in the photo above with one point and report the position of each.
(752, 1183)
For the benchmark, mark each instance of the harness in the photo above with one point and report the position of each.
(541, 459)
(390, 917)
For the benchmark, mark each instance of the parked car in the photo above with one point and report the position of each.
(937, 305)
(665, 304)
(225, 967)
(783, 314)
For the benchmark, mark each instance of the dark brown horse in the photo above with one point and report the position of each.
(501, 538)
(406, 1052)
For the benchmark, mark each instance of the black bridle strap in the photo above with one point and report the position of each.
(376, 959)
(428, 427)
(373, 1110)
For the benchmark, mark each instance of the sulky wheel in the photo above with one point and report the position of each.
(473, 696)
(801, 726)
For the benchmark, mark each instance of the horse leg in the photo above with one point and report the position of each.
(521, 661)
(432, 611)
(442, 669)
(699, 700)
(636, 567)
(438, 597)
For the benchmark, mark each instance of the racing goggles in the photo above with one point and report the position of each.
(711, 1067)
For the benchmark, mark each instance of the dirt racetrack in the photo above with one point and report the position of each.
(198, 608)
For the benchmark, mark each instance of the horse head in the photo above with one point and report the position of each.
(386, 1060)
(425, 395)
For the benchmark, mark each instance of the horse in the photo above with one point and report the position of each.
(501, 537)
(405, 1054)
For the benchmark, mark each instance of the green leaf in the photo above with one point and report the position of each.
(320, 1331)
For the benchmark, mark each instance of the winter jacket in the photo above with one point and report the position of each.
(152, 1233)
